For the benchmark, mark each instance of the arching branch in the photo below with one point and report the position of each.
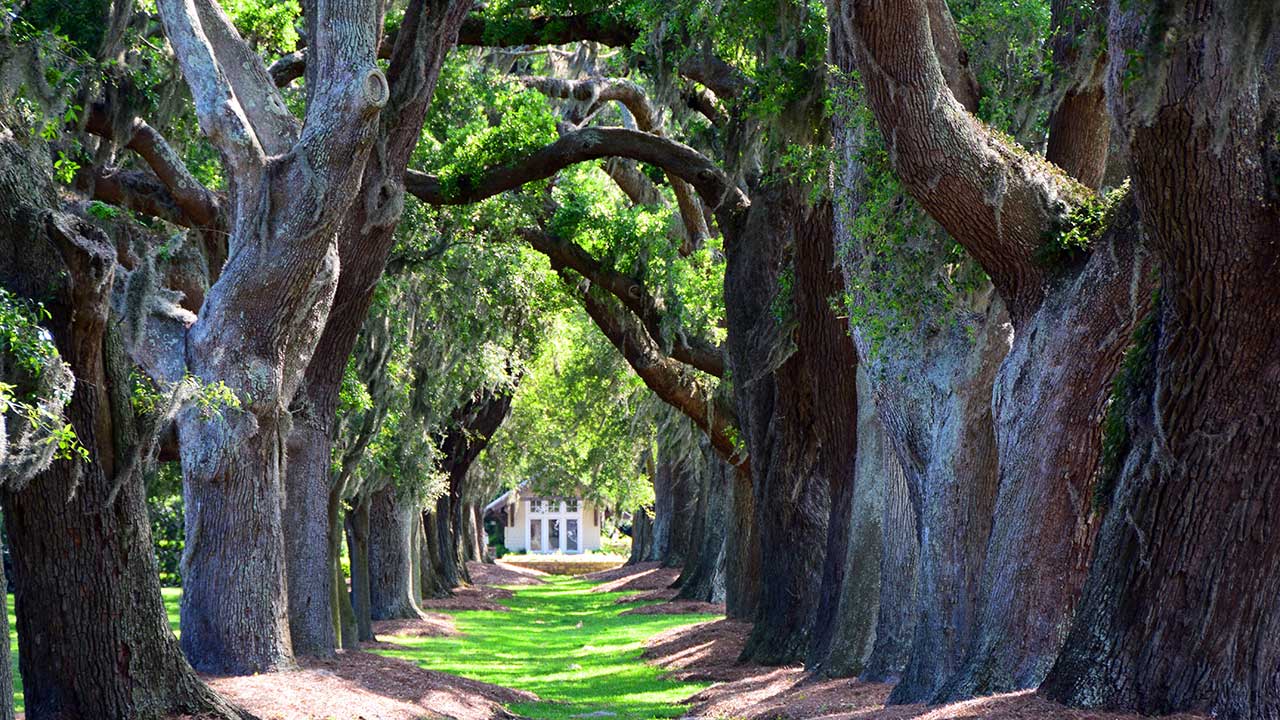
(993, 197)
(631, 292)
(581, 146)
(667, 378)
(591, 92)
(198, 204)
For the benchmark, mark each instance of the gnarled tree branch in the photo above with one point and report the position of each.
(667, 378)
(631, 292)
(580, 146)
(998, 200)
(198, 204)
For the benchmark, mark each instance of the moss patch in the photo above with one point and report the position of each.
(1071, 239)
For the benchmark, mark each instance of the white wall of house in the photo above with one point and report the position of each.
(540, 525)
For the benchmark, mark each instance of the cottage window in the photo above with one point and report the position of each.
(571, 505)
(535, 535)
(535, 506)
(571, 535)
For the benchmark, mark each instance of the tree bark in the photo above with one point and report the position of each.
(358, 550)
(6, 660)
(1009, 627)
(291, 184)
(433, 585)
(703, 575)
(641, 536)
(391, 525)
(831, 369)
(741, 550)
(844, 640)
(663, 507)
(899, 569)
(446, 549)
(1050, 393)
(776, 389)
(308, 496)
(427, 34)
(1180, 608)
(1079, 127)
(94, 639)
(684, 508)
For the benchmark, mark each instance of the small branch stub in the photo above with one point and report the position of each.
(376, 90)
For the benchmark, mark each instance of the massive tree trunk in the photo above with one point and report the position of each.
(703, 576)
(741, 550)
(1051, 391)
(358, 550)
(391, 527)
(1053, 385)
(831, 367)
(425, 37)
(932, 383)
(73, 662)
(291, 183)
(94, 639)
(684, 506)
(1181, 609)
(843, 642)
(777, 390)
(641, 536)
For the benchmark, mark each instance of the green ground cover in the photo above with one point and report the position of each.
(572, 647)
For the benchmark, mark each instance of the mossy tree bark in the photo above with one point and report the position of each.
(291, 184)
(1180, 606)
(1011, 623)
(392, 523)
(94, 638)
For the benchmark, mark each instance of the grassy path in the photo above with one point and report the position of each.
(572, 647)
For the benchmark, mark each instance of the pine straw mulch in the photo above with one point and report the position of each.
(708, 652)
(501, 574)
(641, 577)
(364, 686)
(429, 625)
(650, 582)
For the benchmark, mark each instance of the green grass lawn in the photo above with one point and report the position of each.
(171, 598)
(570, 646)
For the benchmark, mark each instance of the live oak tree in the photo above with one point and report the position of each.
(76, 518)
(1032, 205)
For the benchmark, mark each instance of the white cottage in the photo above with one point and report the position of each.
(537, 524)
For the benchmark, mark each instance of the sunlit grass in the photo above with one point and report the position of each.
(570, 646)
(172, 596)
